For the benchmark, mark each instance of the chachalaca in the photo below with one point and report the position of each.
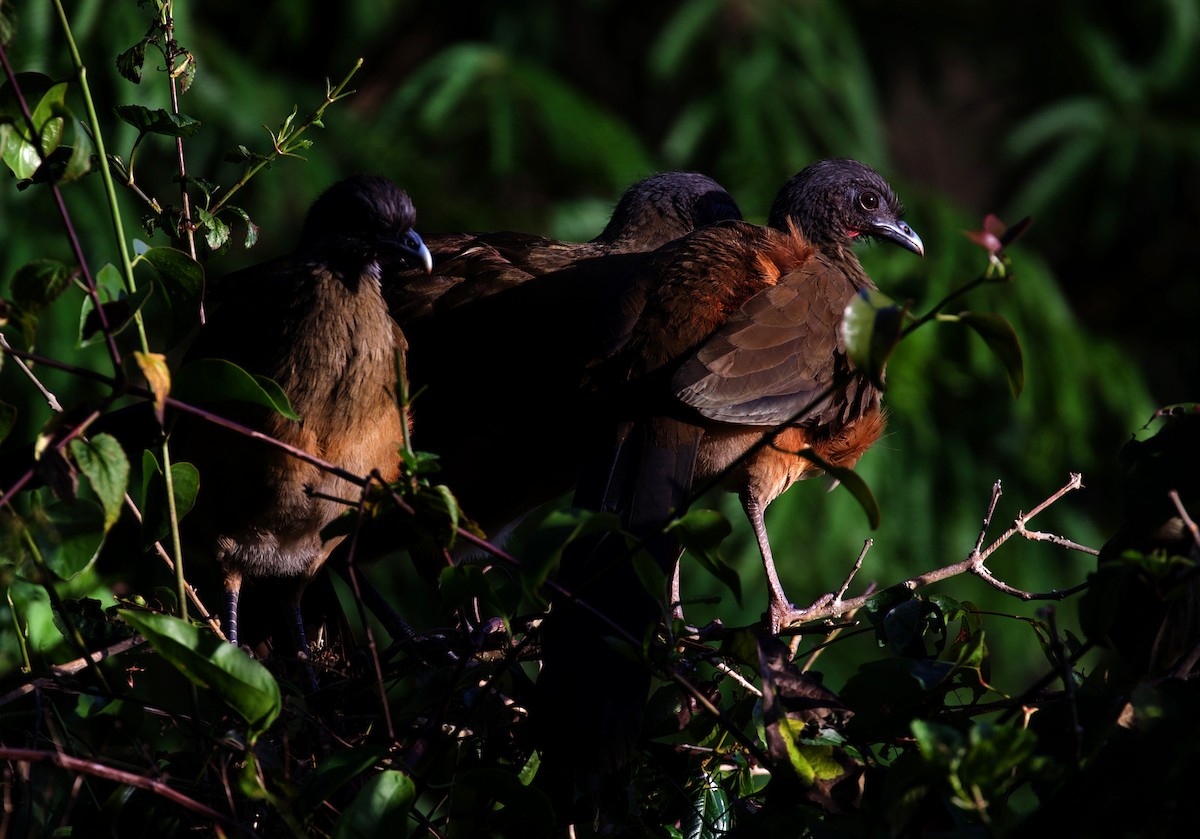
(727, 362)
(315, 322)
(503, 331)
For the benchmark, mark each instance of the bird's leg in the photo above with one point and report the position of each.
(779, 606)
(676, 600)
(233, 588)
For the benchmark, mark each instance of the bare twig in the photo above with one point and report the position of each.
(120, 776)
(70, 668)
(973, 564)
(1183, 514)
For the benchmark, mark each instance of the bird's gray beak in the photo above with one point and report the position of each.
(412, 246)
(898, 232)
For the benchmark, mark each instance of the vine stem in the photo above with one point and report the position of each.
(109, 189)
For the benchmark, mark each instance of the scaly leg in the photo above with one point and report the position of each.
(779, 606)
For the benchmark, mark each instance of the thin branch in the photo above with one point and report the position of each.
(1183, 514)
(120, 776)
(973, 564)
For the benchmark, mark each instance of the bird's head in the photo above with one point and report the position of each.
(835, 202)
(663, 207)
(364, 220)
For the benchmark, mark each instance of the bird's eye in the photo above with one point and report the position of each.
(869, 200)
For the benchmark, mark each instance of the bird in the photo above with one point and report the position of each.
(725, 363)
(317, 324)
(502, 332)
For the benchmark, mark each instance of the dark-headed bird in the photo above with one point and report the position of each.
(503, 331)
(315, 322)
(725, 338)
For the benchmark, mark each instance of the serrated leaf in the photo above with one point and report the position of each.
(130, 62)
(1002, 340)
(870, 329)
(216, 232)
(252, 229)
(244, 685)
(380, 809)
(102, 461)
(214, 380)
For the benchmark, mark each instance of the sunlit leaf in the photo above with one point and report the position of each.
(158, 376)
(380, 810)
(870, 330)
(711, 813)
(241, 683)
(103, 462)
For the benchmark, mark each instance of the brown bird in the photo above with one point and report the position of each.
(725, 338)
(502, 334)
(315, 322)
(731, 336)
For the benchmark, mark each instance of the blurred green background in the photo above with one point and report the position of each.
(535, 116)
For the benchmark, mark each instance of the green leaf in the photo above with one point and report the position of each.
(118, 313)
(157, 121)
(244, 685)
(871, 327)
(252, 229)
(37, 284)
(701, 533)
(181, 280)
(339, 769)
(130, 62)
(711, 814)
(102, 461)
(185, 479)
(214, 380)
(18, 149)
(853, 482)
(216, 232)
(380, 810)
(69, 535)
(1002, 340)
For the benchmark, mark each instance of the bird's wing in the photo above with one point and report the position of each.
(774, 356)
